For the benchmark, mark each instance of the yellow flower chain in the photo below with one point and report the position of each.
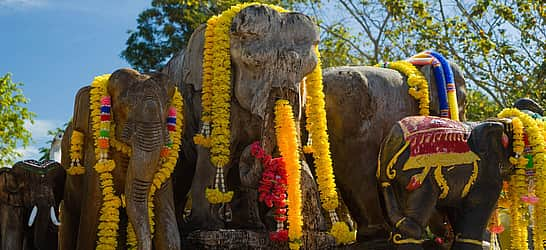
(216, 96)
(418, 85)
(319, 146)
(518, 185)
(109, 212)
(287, 141)
(76, 146)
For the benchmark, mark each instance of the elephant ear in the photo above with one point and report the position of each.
(192, 62)
(9, 181)
(10, 188)
(486, 138)
(165, 82)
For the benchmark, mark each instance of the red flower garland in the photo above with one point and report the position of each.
(272, 188)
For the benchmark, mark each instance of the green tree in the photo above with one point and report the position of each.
(500, 45)
(480, 107)
(13, 115)
(166, 27)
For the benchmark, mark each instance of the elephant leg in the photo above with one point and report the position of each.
(203, 214)
(470, 221)
(166, 234)
(419, 206)
(12, 227)
(70, 215)
(89, 219)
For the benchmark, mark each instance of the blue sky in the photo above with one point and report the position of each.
(56, 47)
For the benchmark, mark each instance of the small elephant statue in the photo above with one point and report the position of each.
(428, 162)
(137, 107)
(30, 195)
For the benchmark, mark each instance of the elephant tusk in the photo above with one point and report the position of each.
(54, 217)
(32, 216)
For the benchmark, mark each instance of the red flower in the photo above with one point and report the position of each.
(281, 235)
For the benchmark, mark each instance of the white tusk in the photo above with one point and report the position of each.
(32, 216)
(54, 217)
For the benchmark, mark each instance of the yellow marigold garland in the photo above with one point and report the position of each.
(76, 146)
(109, 212)
(518, 185)
(287, 141)
(216, 97)
(319, 145)
(418, 85)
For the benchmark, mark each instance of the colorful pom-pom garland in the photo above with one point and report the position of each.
(519, 192)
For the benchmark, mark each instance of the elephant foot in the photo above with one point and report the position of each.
(372, 232)
(199, 223)
(409, 247)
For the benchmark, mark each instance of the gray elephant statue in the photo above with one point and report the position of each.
(428, 163)
(271, 52)
(362, 103)
(114, 147)
(30, 195)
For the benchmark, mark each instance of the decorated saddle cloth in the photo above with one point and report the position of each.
(436, 142)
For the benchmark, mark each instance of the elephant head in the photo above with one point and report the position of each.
(140, 105)
(37, 188)
(270, 51)
(492, 142)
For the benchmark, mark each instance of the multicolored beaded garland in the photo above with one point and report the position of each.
(104, 134)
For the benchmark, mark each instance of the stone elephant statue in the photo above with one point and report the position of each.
(428, 163)
(136, 109)
(30, 195)
(362, 103)
(271, 53)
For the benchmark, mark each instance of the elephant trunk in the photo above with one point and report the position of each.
(148, 140)
(43, 226)
(391, 205)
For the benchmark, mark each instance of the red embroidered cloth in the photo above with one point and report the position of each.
(436, 141)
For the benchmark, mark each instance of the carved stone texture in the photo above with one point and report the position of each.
(362, 104)
(270, 54)
(246, 239)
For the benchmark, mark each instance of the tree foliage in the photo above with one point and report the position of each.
(13, 115)
(479, 106)
(166, 27)
(500, 45)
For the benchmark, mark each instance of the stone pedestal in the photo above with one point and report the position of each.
(245, 239)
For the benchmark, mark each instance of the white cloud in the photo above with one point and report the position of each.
(39, 136)
(22, 3)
